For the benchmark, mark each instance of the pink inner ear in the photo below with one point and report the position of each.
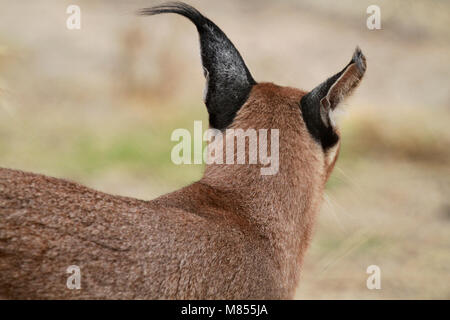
(325, 110)
(345, 85)
(341, 89)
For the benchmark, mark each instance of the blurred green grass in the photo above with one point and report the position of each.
(73, 149)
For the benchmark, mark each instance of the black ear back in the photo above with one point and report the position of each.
(319, 103)
(228, 80)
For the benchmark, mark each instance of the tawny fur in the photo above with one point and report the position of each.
(235, 234)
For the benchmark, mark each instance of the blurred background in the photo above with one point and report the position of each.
(98, 106)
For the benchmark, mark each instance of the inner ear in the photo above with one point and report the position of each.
(319, 103)
(348, 80)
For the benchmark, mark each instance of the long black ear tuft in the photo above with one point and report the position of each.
(318, 105)
(228, 81)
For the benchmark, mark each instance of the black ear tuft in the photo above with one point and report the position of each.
(228, 80)
(317, 105)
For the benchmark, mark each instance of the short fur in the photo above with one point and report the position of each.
(235, 234)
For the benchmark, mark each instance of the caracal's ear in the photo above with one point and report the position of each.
(317, 106)
(228, 81)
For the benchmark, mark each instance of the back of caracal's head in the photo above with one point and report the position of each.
(234, 100)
